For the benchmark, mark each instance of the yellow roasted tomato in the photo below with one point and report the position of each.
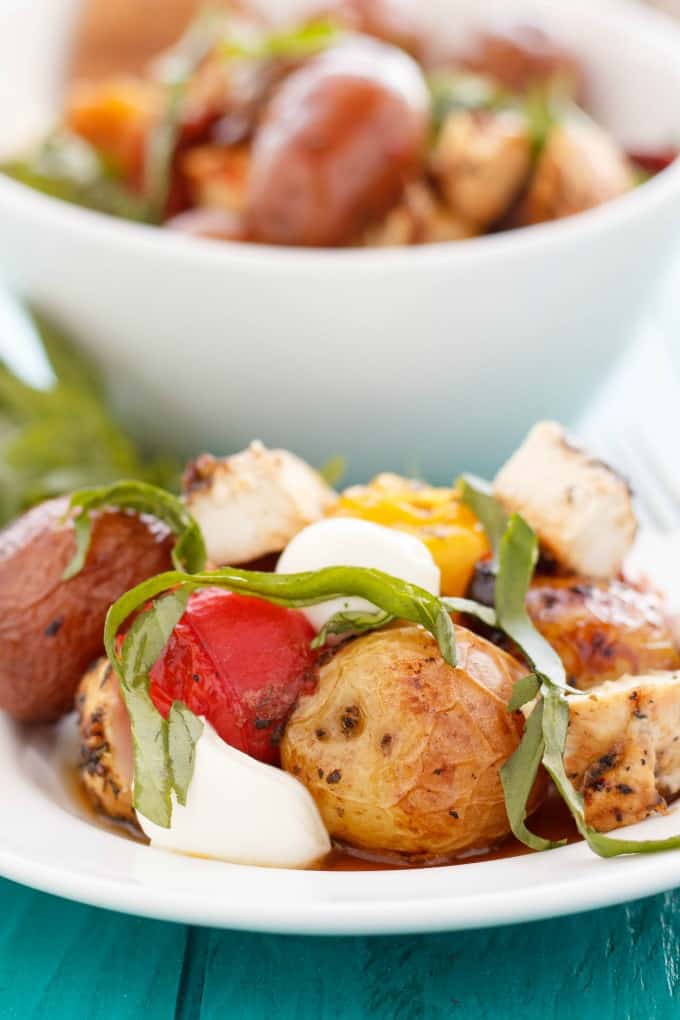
(448, 528)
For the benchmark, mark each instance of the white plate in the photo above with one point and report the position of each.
(48, 842)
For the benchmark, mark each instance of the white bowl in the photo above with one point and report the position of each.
(414, 359)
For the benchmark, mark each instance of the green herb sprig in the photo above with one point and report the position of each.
(59, 434)
(189, 552)
(67, 167)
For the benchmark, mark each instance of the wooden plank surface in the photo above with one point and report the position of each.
(62, 960)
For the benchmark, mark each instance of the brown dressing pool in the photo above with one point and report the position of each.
(552, 821)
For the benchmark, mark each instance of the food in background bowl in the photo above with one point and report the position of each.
(329, 134)
(360, 694)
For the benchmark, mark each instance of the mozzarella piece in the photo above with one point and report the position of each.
(348, 542)
(580, 509)
(253, 503)
(242, 811)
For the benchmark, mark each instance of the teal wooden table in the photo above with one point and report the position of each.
(63, 960)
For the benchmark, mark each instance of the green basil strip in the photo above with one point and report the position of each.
(291, 43)
(189, 553)
(476, 494)
(517, 557)
(143, 645)
(184, 729)
(350, 622)
(486, 614)
(395, 597)
(518, 775)
(524, 690)
(175, 69)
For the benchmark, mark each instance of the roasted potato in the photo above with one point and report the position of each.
(602, 629)
(105, 763)
(401, 751)
(51, 630)
(340, 140)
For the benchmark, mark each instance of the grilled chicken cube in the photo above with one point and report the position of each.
(579, 507)
(481, 162)
(602, 630)
(623, 750)
(580, 167)
(105, 743)
(252, 504)
(420, 218)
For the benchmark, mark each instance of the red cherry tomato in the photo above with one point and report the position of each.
(242, 663)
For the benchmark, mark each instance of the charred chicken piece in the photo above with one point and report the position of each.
(580, 167)
(482, 162)
(105, 764)
(579, 507)
(623, 750)
(420, 218)
(254, 502)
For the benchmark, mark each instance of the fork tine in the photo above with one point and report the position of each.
(657, 494)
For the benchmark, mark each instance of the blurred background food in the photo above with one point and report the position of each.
(57, 431)
(348, 126)
(206, 346)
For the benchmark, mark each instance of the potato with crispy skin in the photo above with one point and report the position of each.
(401, 751)
(50, 629)
(105, 763)
(602, 630)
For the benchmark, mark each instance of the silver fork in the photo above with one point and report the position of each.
(656, 486)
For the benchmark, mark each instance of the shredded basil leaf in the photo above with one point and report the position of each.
(460, 92)
(287, 43)
(524, 690)
(333, 470)
(141, 648)
(486, 614)
(66, 167)
(189, 552)
(175, 69)
(395, 597)
(517, 558)
(351, 622)
(518, 775)
(184, 730)
(476, 494)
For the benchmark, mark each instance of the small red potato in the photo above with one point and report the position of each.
(51, 630)
(341, 139)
